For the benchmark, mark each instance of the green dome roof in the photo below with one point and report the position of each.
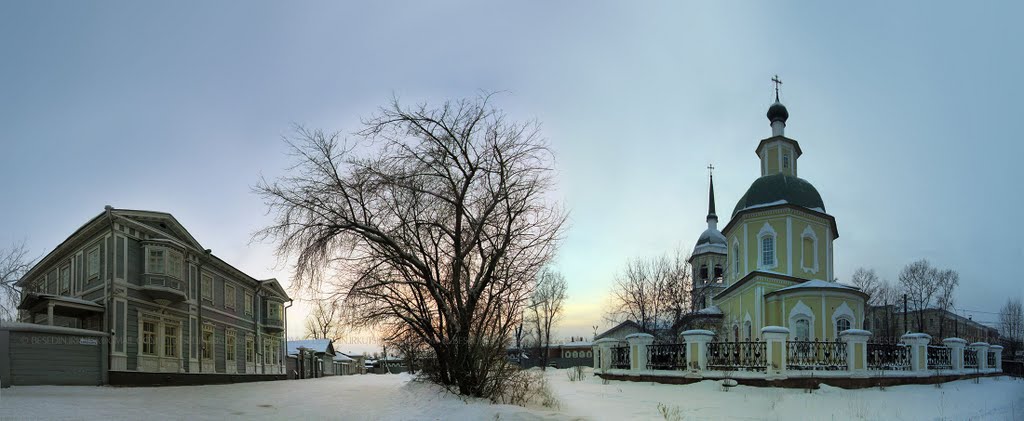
(778, 189)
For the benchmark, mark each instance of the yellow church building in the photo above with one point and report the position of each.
(772, 264)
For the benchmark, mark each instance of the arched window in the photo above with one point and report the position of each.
(736, 259)
(750, 330)
(766, 241)
(718, 272)
(785, 161)
(736, 333)
(768, 250)
(842, 324)
(704, 273)
(802, 328)
(809, 250)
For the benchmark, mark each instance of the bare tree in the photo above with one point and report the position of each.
(545, 309)
(435, 220)
(14, 262)
(645, 292)
(919, 281)
(868, 282)
(947, 280)
(325, 320)
(1011, 323)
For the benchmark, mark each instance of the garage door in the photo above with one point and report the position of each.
(45, 358)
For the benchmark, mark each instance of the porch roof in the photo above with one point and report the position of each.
(62, 306)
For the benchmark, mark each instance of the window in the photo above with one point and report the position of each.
(842, 324)
(229, 296)
(250, 349)
(703, 272)
(65, 280)
(207, 342)
(170, 341)
(149, 338)
(175, 261)
(750, 330)
(785, 161)
(767, 251)
(803, 329)
(207, 287)
(809, 250)
(248, 304)
(155, 263)
(230, 344)
(718, 272)
(736, 259)
(274, 310)
(92, 264)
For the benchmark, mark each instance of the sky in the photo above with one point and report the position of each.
(907, 113)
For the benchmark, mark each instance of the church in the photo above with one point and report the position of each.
(771, 264)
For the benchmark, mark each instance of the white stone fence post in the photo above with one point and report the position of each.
(638, 343)
(856, 351)
(956, 352)
(981, 348)
(697, 350)
(603, 348)
(998, 351)
(918, 351)
(775, 338)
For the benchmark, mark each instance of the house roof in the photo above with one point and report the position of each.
(342, 358)
(317, 345)
(627, 323)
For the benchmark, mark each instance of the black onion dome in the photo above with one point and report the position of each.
(778, 189)
(778, 112)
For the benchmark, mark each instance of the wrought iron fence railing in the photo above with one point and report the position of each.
(745, 356)
(970, 358)
(939, 358)
(620, 357)
(888, 356)
(666, 356)
(816, 355)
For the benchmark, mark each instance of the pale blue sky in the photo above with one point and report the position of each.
(908, 115)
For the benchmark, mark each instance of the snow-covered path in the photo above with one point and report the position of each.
(394, 397)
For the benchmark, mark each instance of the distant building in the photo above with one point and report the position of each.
(888, 322)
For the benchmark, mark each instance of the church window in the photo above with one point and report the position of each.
(809, 250)
(718, 272)
(842, 324)
(704, 272)
(766, 242)
(736, 333)
(767, 250)
(802, 329)
(750, 330)
(736, 259)
(785, 161)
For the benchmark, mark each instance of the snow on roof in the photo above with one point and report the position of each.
(578, 343)
(710, 310)
(817, 283)
(317, 345)
(342, 357)
(65, 299)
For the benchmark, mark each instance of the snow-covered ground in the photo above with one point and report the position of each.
(395, 397)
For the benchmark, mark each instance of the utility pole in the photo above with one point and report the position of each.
(905, 312)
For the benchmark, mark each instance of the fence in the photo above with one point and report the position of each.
(888, 356)
(732, 356)
(620, 357)
(970, 359)
(939, 357)
(816, 355)
(666, 356)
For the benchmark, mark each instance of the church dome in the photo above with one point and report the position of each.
(777, 189)
(778, 112)
(711, 237)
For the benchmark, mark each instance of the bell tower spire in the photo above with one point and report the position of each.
(712, 217)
